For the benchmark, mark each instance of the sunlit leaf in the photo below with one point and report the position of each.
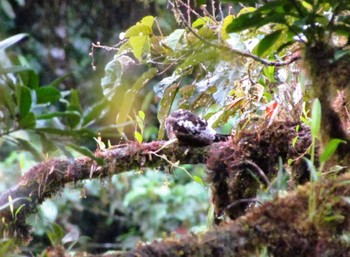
(12, 40)
(315, 118)
(140, 45)
(138, 137)
(202, 21)
(198, 179)
(148, 20)
(228, 20)
(330, 148)
(138, 30)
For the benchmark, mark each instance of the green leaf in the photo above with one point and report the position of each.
(30, 78)
(272, 12)
(267, 43)
(316, 118)
(47, 94)
(165, 106)
(26, 146)
(138, 137)
(202, 21)
(94, 113)
(148, 21)
(28, 121)
(198, 179)
(138, 30)
(66, 132)
(85, 151)
(142, 115)
(314, 175)
(48, 116)
(59, 80)
(330, 149)
(14, 69)
(7, 99)
(130, 96)
(139, 44)
(11, 40)
(74, 105)
(228, 20)
(174, 38)
(25, 101)
(55, 234)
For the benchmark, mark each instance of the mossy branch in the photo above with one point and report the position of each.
(46, 179)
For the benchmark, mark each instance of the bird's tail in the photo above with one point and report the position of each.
(221, 137)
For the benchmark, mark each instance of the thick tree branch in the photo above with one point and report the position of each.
(47, 179)
(230, 170)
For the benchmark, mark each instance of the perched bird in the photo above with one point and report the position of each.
(190, 129)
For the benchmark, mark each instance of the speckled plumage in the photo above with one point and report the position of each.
(190, 129)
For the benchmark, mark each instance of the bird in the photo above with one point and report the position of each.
(190, 129)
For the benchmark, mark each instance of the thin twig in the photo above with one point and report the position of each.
(236, 51)
(260, 171)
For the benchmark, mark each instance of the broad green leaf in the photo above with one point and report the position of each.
(173, 40)
(139, 44)
(131, 94)
(198, 179)
(138, 137)
(74, 105)
(30, 78)
(165, 106)
(202, 21)
(85, 151)
(47, 94)
(25, 101)
(55, 234)
(330, 149)
(316, 118)
(148, 20)
(267, 44)
(142, 115)
(138, 30)
(228, 20)
(26, 146)
(28, 121)
(11, 40)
